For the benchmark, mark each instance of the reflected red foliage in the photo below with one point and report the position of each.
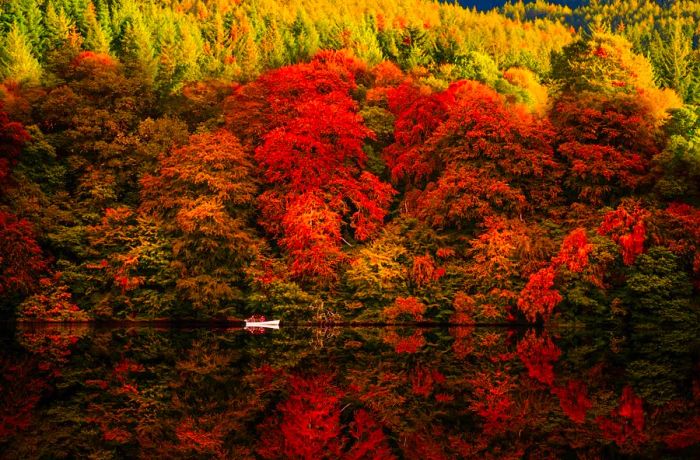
(574, 400)
(369, 439)
(539, 354)
(493, 400)
(423, 380)
(625, 423)
(307, 423)
(402, 344)
(685, 437)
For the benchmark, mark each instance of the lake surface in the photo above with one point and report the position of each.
(349, 393)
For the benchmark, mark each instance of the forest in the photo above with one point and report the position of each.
(369, 161)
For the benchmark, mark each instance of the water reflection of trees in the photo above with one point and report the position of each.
(348, 393)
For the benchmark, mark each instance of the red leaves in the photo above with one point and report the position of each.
(538, 354)
(683, 223)
(12, 137)
(53, 303)
(424, 271)
(423, 380)
(311, 233)
(626, 225)
(538, 297)
(21, 260)
(308, 424)
(310, 151)
(574, 251)
(92, 59)
(476, 155)
(493, 401)
(405, 306)
(685, 437)
(626, 422)
(574, 400)
(607, 142)
(194, 438)
(370, 440)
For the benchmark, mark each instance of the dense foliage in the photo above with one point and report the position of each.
(349, 393)
(385, 160)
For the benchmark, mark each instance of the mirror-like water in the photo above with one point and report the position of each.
(349, 393)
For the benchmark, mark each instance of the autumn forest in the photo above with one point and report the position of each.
(480, 229)
(379, 161)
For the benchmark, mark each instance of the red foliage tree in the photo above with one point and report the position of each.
(308, 140)
(574, 251)
(607, 143)
(476, 154)
(12, 137)
(418, 114)
(21, 259)
(538, 297)
(405, 306)
(627, 227)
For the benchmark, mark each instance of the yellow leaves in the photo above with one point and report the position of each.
(659, 102)
(527, 80)
(377, 271)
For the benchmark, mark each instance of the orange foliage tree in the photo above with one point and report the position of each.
(203, 196)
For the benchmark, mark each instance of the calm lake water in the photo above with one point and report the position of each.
(348, 393)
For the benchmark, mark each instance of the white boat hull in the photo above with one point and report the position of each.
(268, 324)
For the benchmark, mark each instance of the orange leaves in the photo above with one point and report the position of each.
(311, 233)
(424, 270)
(212, 163)
(202, 197)
(93, 59)
(538, 297)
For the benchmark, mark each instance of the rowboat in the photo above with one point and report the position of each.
(268, 324)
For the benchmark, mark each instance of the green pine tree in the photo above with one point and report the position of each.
(16, 59)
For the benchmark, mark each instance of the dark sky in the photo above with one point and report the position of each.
(488, 4)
